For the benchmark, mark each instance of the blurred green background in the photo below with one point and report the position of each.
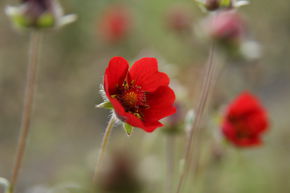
(67, 128)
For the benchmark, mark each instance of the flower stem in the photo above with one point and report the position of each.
(170, 144)
(195, 129)
(33, 55)
(104, 144)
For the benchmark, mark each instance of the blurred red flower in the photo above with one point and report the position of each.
(140, 96)
(245, 121)
(179, 19)
(115, 24)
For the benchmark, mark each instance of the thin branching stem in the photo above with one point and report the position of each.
(196, 126)
(104, 144)
(33, 55)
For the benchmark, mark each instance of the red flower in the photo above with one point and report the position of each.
(115, 24)
(140, 96)
(245, 121)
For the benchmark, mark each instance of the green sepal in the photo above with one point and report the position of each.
(225, 3)
(20, 21)
(241, 3)
(128, 129)
(46, 20)
(105, 105)
(201, 5)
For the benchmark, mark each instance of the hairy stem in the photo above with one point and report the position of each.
(33, 54)
(195, 130)
(104, 144)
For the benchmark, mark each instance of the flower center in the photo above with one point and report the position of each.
(132, 98)
(243, 131)
(243, 134)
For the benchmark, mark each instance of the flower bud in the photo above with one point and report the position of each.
(38, 14)
(227, 28)
(179, 20)
(212, 5)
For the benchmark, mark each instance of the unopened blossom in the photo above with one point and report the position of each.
(38, 14)
(179, 19)
(227, 27)
(217, 5)
(212, 5)
(140, 96)
(245, 121)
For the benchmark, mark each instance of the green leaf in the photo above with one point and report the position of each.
(105, 105)
(128, 129)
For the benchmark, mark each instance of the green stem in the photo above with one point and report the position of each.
(104, 144)
(170, 154)
(33, 54)
(196, 126)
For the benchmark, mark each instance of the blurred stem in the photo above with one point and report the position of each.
(33, 55)
(196, 125)
(104, 144)
(170, 151)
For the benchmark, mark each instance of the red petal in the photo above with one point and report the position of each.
(244, 104)
(115, 74)
(257, 122)
(145, 73)
(230, 133)
(151, 126)
(160, 104)
(132, 119)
